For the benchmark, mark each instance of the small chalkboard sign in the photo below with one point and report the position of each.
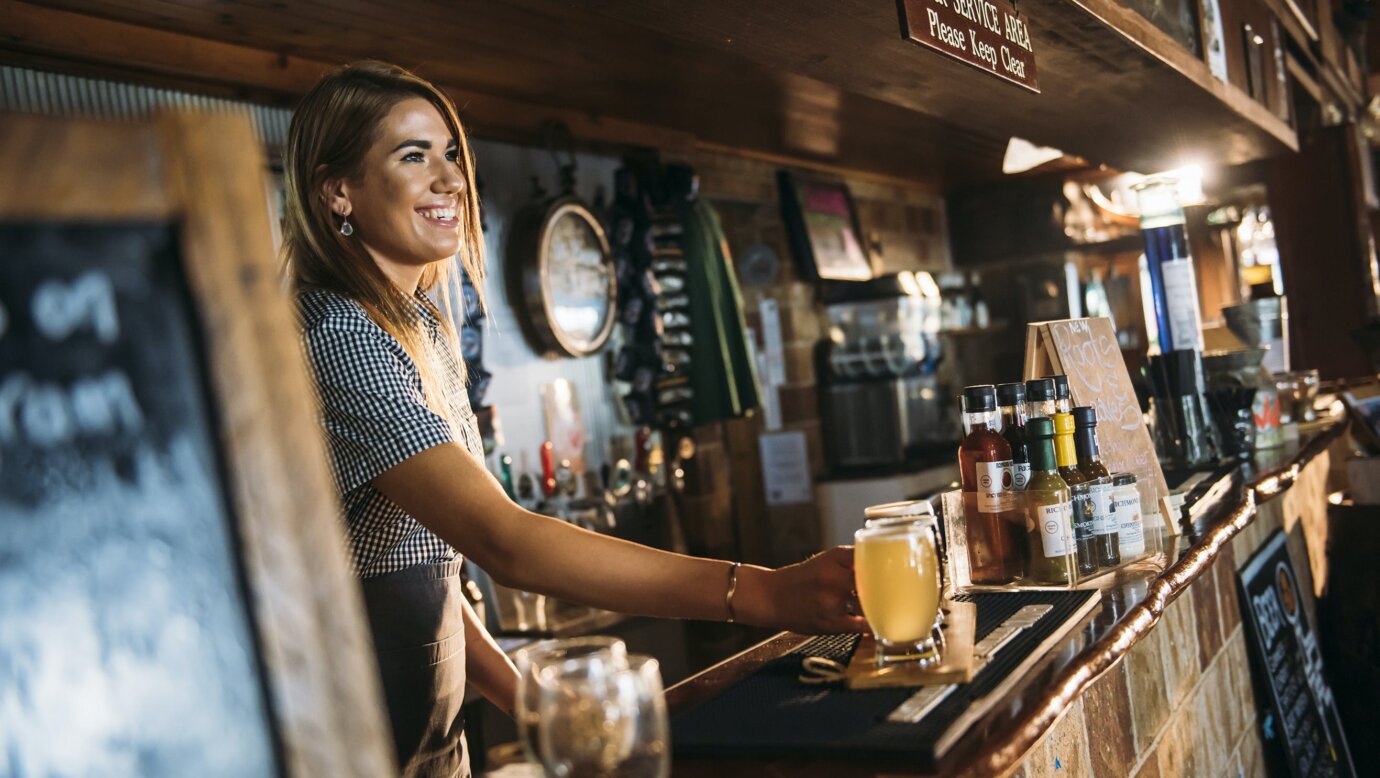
(1086, 350)
(1298, 718)
(174, 594)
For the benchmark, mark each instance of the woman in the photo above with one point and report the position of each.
(380, 204)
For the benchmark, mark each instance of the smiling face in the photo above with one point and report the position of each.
(404, 203)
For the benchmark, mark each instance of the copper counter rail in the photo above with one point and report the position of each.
(1023, 733)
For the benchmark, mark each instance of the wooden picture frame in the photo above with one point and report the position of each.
(204, 178)
(822, 224)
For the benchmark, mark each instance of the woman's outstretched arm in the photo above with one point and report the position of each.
(448, 491)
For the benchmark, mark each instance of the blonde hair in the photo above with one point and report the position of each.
(332, 129)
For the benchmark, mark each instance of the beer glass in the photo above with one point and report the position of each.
(894, 514)
(597, 721)
(531, 660)
(896, 570)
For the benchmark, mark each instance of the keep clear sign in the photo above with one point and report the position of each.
(990, 36)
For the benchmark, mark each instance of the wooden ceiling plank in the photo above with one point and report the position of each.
(1069, 38)
(732, 73)
(62, 34)
(85, 38)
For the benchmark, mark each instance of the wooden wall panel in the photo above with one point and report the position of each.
(1323, 233)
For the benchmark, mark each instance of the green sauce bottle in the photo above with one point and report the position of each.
(1049, 510)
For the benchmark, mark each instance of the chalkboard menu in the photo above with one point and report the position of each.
(1299, 721)
(1086, 351)
(126, 641)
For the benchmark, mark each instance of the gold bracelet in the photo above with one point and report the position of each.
(732, 587)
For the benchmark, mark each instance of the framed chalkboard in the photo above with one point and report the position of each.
(1299, 723)
(173, 585)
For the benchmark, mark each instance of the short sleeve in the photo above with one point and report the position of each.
(373, 410)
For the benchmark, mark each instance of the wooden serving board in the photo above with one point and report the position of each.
(956, 663)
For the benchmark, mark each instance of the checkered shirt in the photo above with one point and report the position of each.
(375, 416)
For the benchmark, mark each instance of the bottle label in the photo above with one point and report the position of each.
(1082, 514)
(994, 487)
(1054, 530)
(1103, 523)
(1181, 294)
(1130, 528)
(1020, 476)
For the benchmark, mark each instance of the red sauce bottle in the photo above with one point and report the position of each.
(996, 527)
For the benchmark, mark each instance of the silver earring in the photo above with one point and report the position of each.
(346, 228)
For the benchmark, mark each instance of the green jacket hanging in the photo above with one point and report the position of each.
(722, 373)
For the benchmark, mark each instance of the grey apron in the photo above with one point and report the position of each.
(419, 640)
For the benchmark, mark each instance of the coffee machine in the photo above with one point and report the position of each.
(880, 398)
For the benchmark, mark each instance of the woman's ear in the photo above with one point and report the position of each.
(337, 196)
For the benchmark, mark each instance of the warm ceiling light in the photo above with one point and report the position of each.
(1022, 155)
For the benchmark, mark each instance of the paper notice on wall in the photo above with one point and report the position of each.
(772, 346)
(771, 400)
(786, 468)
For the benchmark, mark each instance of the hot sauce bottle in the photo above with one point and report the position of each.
(1062, 401)
(993, 516)
(1067, 458)
(1011, 401)
(1048, 506)
(1107, 549)
(1039, 395)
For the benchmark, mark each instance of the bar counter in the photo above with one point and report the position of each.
(1153, 682)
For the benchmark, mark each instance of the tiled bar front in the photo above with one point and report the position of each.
(1176, 696)
(1181, 702)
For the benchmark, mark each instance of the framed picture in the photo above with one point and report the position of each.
(823, 228)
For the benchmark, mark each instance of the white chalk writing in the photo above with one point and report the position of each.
(47, 413)
(60, 309)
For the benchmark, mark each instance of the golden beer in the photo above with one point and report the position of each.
(897, 573)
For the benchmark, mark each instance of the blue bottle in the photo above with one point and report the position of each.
(1173, 285)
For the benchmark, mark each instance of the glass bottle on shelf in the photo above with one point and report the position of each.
(1049, 510)
(1107, 545)
(1062, 401)
(982, 318)
(1040, 394)
(991, 511)
(1173, 284)
(1066, 457)
(1011, 401)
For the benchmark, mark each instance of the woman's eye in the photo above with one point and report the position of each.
(453, 155)
(412, 156)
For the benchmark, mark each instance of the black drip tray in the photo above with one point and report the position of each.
(773, 714)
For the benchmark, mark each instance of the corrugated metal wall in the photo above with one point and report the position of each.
(56, 94)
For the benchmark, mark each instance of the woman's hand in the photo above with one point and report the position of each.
(814, 596)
